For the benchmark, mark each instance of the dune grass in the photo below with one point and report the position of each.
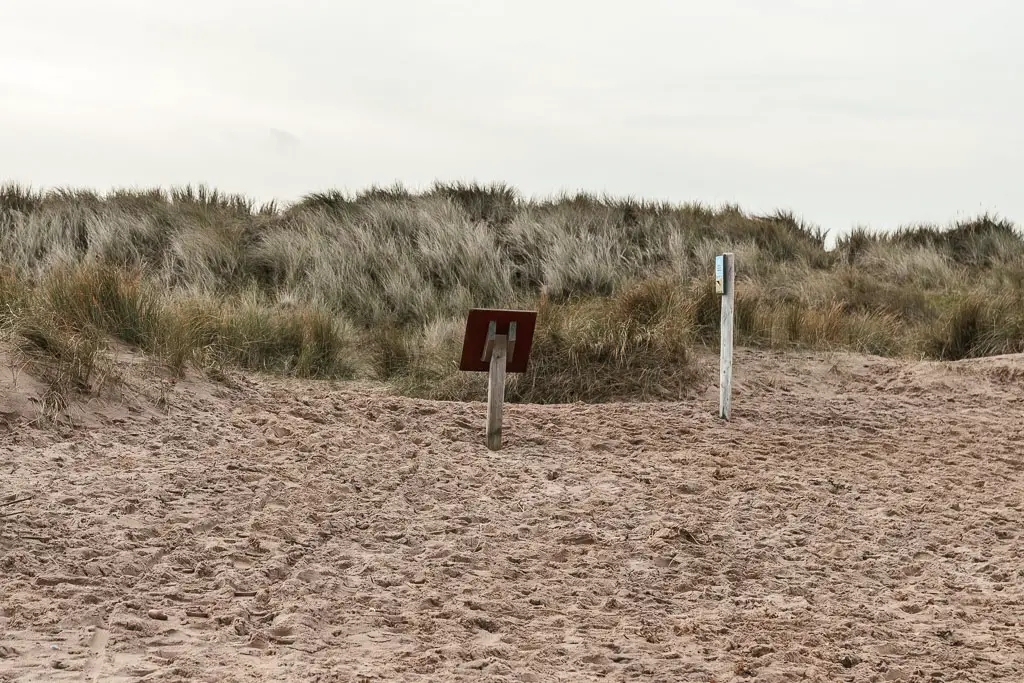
(376, 285)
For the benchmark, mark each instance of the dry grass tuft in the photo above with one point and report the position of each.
(376, 285)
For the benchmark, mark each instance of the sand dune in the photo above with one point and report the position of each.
(858, 520)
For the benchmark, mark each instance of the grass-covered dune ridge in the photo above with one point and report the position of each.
(377, 284)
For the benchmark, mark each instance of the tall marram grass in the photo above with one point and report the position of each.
(377, 284)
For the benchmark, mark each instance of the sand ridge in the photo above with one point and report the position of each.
(859, 520)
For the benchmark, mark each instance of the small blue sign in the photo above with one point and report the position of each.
(720, 267)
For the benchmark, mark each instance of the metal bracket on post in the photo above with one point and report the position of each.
(511, 341)
(492, 333)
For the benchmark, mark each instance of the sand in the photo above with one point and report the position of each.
(858, 520)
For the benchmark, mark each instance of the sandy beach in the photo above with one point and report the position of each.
(859, 519)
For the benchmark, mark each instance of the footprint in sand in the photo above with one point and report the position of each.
(98, 650)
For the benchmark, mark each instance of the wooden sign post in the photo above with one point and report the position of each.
(497, 341)
(725, 280)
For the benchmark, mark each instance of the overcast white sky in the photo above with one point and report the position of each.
(848, 112)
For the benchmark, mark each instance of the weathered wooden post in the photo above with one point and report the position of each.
(725, 281)
(497, 342)
(496, 352)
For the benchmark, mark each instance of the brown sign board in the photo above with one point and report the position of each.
(478, 329)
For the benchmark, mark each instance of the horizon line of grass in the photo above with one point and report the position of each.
(483, 201)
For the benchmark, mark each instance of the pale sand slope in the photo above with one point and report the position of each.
(859, 520)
